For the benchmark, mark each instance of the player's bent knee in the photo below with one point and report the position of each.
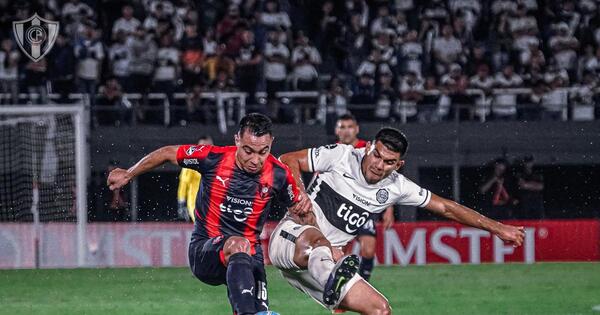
(236, 244)
(382, 308)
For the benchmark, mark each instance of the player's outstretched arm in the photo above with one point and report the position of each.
(120, 177)
(459, 213)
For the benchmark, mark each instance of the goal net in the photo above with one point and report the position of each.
(42, 173)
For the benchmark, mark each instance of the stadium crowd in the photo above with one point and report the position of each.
(383, 60)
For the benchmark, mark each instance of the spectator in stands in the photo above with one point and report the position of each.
(353, 43)
(277, 57)
(167, 71)
(198, 109)
(119, 57)
(411, 54)
(274, 17)
(530, 191)
(363, 93)
(227, 26)
(192, 57)
(582, 97)
(555, 100)
(143, 58)
(484, 82)
(9, 71)
(249, 66)
(332, 104)
(89, 52)
(382, 21)
(61, 68)
(447, 50)
(564, 46)
(504, 106)
(35, 80)
(532, 62)
(520, 22)
(454, 86)
(383, 43)
(589, 62)
(126, 23)
(433, 15)
(74, 10)
(411, 93)
(428, 106)
(305, 60)
(498, 191)
(117, 108)
(469, 11)
(386, 105)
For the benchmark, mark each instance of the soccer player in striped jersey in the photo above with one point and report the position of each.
(189, 185)
(239, 185)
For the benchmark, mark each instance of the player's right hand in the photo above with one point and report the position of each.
(512, 234)
(118, 178)
(303, 206)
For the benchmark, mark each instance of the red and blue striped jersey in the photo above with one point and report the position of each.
(230, 201)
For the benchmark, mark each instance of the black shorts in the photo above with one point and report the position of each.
(207, 263)
(368, 229)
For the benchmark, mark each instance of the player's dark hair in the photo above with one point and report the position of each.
(393, 139)
(257, 124)
(347, 116)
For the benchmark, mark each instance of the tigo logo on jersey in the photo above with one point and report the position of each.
(353, 219)
(240, 215)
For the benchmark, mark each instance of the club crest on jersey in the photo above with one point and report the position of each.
(193, 149)
(382, 195)
(264, 191)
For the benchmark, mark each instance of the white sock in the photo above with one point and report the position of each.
(320, 264)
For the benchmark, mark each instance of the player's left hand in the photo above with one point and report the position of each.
(512, 234)
(388, 219)
(303, 206)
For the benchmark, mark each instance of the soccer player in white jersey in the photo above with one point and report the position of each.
(352, 185)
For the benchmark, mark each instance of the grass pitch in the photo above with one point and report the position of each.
(562, 288)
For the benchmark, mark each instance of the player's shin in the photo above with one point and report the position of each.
(240, 284)
(320, 264)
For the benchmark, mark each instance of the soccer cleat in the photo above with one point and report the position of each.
(343, 271)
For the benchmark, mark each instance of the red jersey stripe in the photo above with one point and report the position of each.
(266, 180)
(219, 187)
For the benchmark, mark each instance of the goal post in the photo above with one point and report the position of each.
(43, 168)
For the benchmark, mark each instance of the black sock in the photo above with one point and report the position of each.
(366, 266)
(240, 284)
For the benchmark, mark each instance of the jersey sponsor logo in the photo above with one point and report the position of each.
(239, 201)
(193, 149)
(382, 195)
(222, 180)
(190, 162)
(290, 191)
(353, 220)
(361, 200)
(331, 146)
(240, 215)
(344, 214)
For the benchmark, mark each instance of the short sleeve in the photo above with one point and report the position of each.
(412, 194)
(289, 191)
(322, 159)
(193, 156)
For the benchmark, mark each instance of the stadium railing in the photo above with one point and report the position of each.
(230, 104)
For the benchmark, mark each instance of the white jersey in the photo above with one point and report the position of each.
(342, 199)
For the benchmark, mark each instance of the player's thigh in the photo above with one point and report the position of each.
(365, 299)
(207, 260)
(305, 242)
(367, 246)
(282, 244)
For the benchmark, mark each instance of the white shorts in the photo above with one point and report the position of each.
(281, 253)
